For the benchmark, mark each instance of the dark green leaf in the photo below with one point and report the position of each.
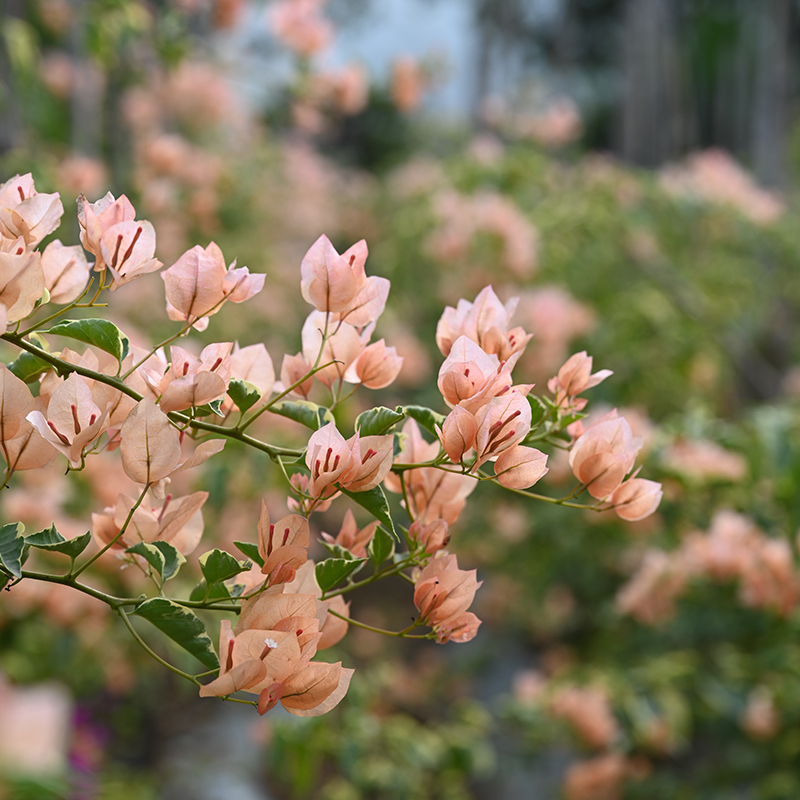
(11, 544)
(333, 571)
(243, 393)
(182, 626)
(27, 367)
(251, 551)
(50, 539)
(214, 407)
(309, 414)
(426, 417)
(217, 565)
(218, 591)
(381, 548)
(377, 420)
(151, 554)
(98, 332)
(375, 502)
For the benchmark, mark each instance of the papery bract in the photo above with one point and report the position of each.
(293, 368)
(16, 402)
(351, 537)
(604, 454)
(178, 521)
(458, 433)
(66, 271)
(192, 381)
(96, 218)
(128, 250)
(636, 499)
(375, 367)
(443, 592)
(329, 281)
(283, 546)
(485, 322)
(72, 420)
(575, 376)
(150, 446)
(193, 283)
(520, 467)
(502, 423)
(433, 537)
(370, 460)
(21, 285)
(327, 457)
(26, 213)
(342, 346)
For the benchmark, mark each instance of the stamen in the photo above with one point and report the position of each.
(21, 193)
(129, 251)
(368, 455)
(328, 458)
(286, 533)
(164, 507)
(55, 430)
(75, 422)
(185, 367)
(216, 364)
(116, 251)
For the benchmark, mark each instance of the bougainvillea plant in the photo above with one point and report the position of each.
(166, 411)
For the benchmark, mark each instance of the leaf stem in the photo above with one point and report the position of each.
(171, 667)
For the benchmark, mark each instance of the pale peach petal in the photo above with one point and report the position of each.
(150, 447)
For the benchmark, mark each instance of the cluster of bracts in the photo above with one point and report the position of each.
(143, 403)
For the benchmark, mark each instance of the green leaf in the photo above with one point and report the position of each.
(309, 414)
(337, 551)
(251, 551)
(173, 559)
(98, 332)
(11, 544)
(28, 367)
(50, 539)
(218, 591)
(243, 393)
(151, 554)
(214, 407)
(182, 626)
(333, 571)
(377, 420)
(217, 566)
(426, 417)
(381, 547)
(375, 502)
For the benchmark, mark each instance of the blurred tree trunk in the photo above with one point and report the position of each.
(10, 115)
(772, 79)
(87, 101)
(653, 123)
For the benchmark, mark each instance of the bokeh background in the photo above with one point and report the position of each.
(627, 169)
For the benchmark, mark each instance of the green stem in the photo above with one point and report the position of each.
(65, 310)
(175, 416)
(153, 654)
(283, 394)
(395, 569)
(397, 634)
(121, 533)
